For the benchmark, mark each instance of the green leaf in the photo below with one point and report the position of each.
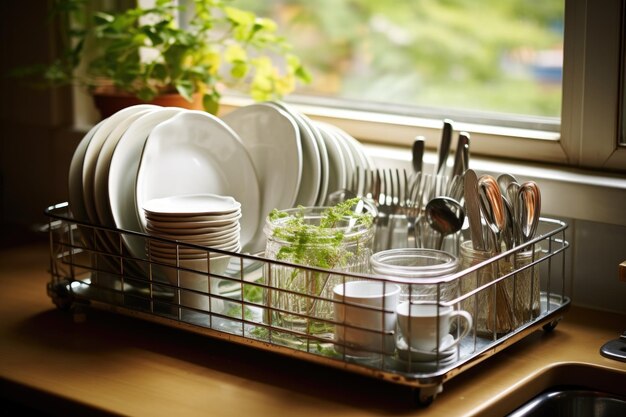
(185, 88)
(239, 17)
(101, 18)
(210, 102)
(239, 69)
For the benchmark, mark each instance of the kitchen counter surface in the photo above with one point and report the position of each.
(113, 364)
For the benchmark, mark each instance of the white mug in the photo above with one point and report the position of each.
(367, 308)
(424, 326)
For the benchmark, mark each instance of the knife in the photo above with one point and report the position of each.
(418, 153)
(461, 155)
(444, 147)
(472, 209)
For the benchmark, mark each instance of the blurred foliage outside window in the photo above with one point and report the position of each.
(499, 57)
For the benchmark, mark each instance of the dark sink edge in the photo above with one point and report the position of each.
(559, 399)
(580, 374)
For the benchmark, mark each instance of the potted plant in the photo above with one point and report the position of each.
(144, 54)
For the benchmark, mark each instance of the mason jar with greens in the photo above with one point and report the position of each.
(326, 241)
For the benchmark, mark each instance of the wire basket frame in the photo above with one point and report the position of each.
(232, 296)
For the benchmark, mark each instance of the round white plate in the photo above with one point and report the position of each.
(184, 206)
(272, 139)
(93, 150)
(201, 221)
(197, 153)
(189, 227)
(103, 165)
(324, 163)
(75, 186)
(123, 175)
(337, 179)
(207, 236)
(423, 356)
(350, 162)
(311, 162)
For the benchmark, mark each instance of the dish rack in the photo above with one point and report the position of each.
(236, 303)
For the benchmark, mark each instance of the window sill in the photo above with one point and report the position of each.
(399, 130)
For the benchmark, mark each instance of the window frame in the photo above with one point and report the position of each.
(592, 65)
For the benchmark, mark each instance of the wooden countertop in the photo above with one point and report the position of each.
(120, 365)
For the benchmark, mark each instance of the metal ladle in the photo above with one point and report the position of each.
(529, 200)
(446, 216)
(492, 206)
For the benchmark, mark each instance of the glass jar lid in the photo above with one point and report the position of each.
(414, 263)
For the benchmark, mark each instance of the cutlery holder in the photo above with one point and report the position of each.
(513, 300)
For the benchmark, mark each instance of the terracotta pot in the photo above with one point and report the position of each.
(109, 102)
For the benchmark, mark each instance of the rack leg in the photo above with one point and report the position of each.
(548, 327)
(424, 396)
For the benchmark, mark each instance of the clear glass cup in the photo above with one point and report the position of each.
(423, 272)
(500, 308)
(298, 296)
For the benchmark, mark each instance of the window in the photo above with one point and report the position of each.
(572, 120)
(491, 60)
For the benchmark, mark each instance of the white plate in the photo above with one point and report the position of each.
(196, 153)
(324, 163)
(211, 237)
(76, 199)
(350, 162)
(272, 139)
(103, 165)
(446, 354)
(184, 206)
(190, 227)
(123, 175)
(311, 162)
(201, 221)
(337, 178)
(93, 150)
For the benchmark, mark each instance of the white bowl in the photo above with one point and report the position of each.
(203, 220)
(191, 205)
(182, 232)
(198, 221)
(195, 237)
(196, 227)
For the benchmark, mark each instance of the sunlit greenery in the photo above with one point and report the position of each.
(468, 54)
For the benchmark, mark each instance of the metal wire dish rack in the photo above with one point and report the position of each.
(231, 296)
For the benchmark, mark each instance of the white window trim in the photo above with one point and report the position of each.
(591, 84)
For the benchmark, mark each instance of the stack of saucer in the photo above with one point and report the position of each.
(207, 220)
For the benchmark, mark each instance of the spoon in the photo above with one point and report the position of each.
(492, 206)
(529, 200)
(504, 180)
(510, 233)
(512, 192)
(446, 216)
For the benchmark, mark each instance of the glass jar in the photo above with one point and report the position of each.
(506, 305)
(299, 296)
(422, 270)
